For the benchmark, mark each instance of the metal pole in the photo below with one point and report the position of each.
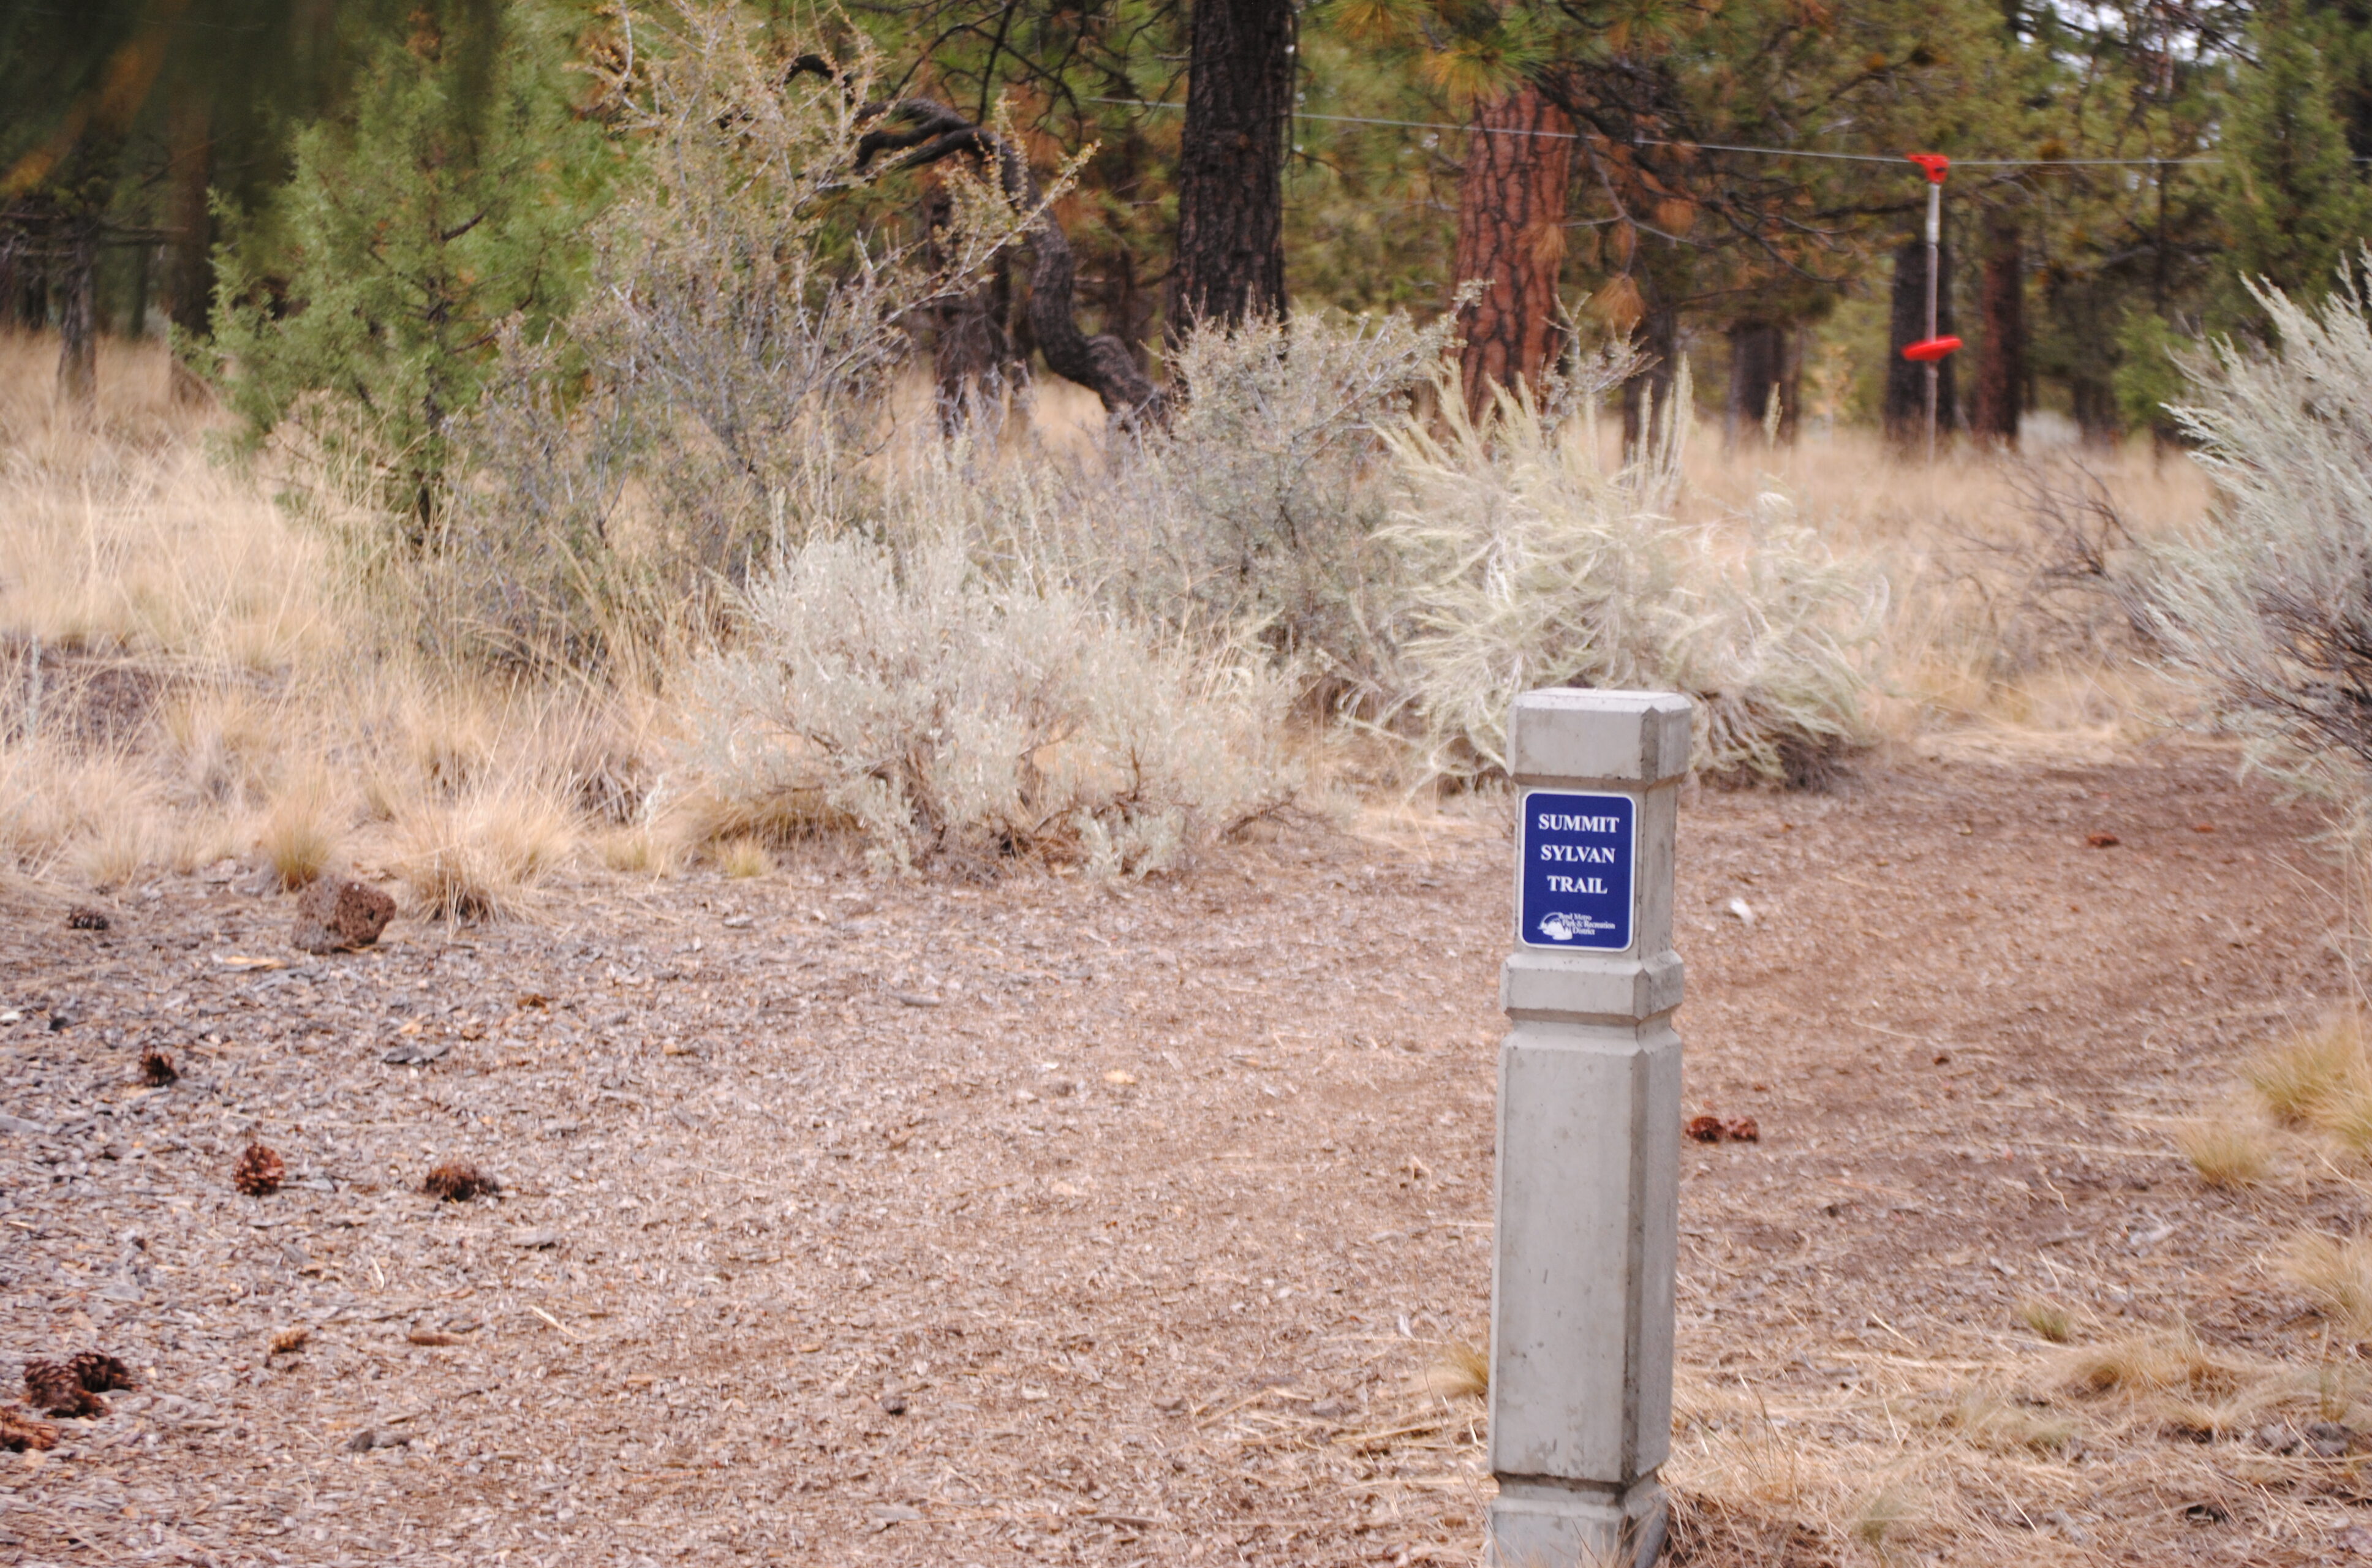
(1935, 239)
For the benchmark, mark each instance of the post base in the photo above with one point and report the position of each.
(1544, 1524)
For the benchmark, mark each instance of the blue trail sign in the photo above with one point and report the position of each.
(1575, 886)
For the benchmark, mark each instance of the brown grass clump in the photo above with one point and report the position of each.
(299, 837)
(483, 857)
(2315, 1075)
(156, 1069)
(2049, 1319)
(19, 1432)
(288, 1341)
(2338, 1274)
(637, 851)
(1462, 1373)
(116, 852)
(457, 1182)
(2008, 1426)
(258, 1172)
(2225, 1154)
(1889, 1511)
(2160, 1362)
(744, 857)
(2348, 1121)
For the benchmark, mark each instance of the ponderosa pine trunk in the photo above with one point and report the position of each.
(1765, 362)
(79, 309)
(1904, 411)
(1230, 256)
(1511, 207)
(18, 272)
(189, 270)
(2001, 354)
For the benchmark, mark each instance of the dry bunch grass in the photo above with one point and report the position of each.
(744, 857)
(1993, 617)
(298, 725)
(2337, 1272)
(2050, 1320)
(2312, 1080)
(1463, 1372)
(483, 856)
(2225, 1150)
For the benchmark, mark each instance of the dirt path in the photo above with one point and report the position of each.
(848, 1223)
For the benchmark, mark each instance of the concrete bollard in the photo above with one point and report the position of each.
(1589, 1128)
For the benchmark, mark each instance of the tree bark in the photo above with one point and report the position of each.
(1511, 208)
(1230, 256)
(1765, 360)
(78, 311)
(18, 272)
(1905, 407)
(2093, 400)
(2001, 355)
(189, 270)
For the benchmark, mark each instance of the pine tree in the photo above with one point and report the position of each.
(1511, 208)
(367, 299)
(1230, 255)
(2293, 203)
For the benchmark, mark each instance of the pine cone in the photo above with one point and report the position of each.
(82, 917)
(19, 1432)
(258, 1171)
(100, 1371)
(456, 1183)
(54, 1389)
(156, 1069)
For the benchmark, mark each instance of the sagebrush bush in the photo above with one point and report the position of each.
(1268, 491)
(956, 718)
(1525, 563)
(2268, 601)
(724, 375)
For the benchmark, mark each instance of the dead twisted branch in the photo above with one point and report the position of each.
(920, 132)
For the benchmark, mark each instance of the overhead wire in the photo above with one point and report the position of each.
(1708, 147)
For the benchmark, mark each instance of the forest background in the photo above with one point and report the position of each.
(2119, 168)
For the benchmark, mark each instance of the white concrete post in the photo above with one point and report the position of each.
(1590, 1129)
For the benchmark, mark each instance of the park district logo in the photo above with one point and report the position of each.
(1574, 889)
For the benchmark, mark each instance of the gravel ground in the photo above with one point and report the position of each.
(847, 1221)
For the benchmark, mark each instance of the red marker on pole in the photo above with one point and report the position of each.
(1930, 350)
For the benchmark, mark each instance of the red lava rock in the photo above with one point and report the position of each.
(156, 1069)
(335, 915)
(2102, 841)
(19, 1432)
(82, 917)
(1704, 1129)
(1742, 1130)
(98, 1371)
(454, 1183)
(53, 1388)
(258, 1171)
